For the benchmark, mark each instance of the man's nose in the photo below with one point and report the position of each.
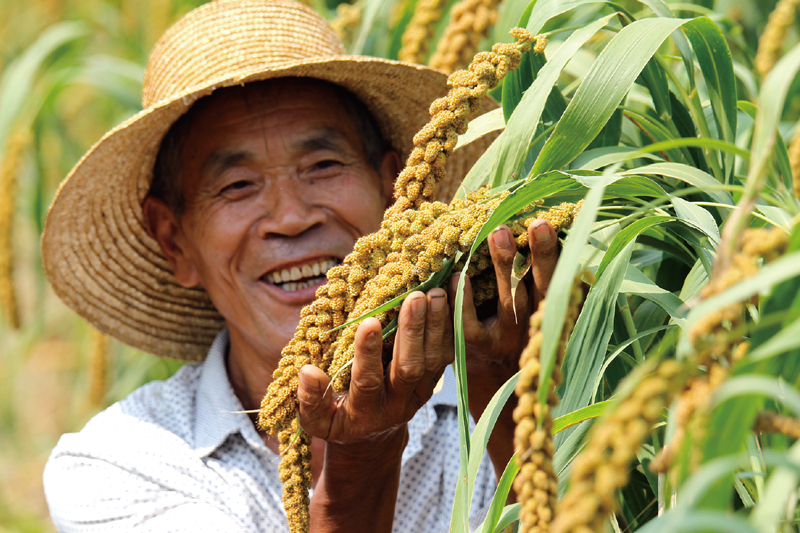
(291, 210)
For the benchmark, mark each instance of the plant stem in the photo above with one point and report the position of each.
(627, 318)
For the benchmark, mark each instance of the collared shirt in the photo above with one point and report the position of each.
(175, 456)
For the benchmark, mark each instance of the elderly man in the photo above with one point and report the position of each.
(199, 228)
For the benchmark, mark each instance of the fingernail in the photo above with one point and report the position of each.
(418, 306)
(501, 239)
(372, 338)
(309, 383)
(437, 303)
(541, 233)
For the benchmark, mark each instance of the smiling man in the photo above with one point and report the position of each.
(200, 227)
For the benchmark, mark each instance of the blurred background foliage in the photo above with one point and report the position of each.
(69, 71)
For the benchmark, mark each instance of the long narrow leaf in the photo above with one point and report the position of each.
(500, 496)
(561, 286)
(522, 125)
(603, 88)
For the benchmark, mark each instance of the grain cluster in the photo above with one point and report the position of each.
(536, 484)
(419, 31)
(9, 169)
(603, 466)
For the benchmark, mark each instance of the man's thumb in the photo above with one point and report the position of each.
(316, 402)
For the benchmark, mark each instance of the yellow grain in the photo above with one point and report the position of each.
(536, 484)
(419, 31)
(770, 44)
(10, 165)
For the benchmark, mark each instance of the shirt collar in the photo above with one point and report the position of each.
(218, 412)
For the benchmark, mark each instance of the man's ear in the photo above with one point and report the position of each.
(163, 225)
(390, 168)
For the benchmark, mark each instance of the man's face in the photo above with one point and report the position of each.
(277, 189)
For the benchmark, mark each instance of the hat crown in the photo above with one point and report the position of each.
(229, 39)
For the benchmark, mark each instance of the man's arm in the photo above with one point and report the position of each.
(366, 428)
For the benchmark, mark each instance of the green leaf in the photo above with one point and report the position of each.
(654, 132)
(561, 285)
(544, 10)
(596, 158)
(655, 79)
(16, 83)
(637, 283)
(480, 126)
(782, 155)
(500, 496)
(602, 90)
(696, 216)
(483, 429)
(688, 174)
(406, 13)
(771, 509)
(576, 417)
(660, 8)
(369, 15)
(767, 277)
(589, 341)
(611, 132)
(697, 520)
(616, 353)
(509, 516)
(714, 57)
(770, 107)
(627, 235)
(523, 123)
(785, 340)
(702, 142)
(481, 172)
(766, 386)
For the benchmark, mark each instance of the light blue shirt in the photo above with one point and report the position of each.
(173, 457)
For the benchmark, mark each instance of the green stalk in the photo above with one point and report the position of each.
(627, 318)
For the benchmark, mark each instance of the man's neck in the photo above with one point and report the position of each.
(250, 372)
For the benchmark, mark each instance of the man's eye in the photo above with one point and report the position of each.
(235, 186)
(325, 164)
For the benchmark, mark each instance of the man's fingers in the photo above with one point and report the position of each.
(316, 402)
(437, 319)
(503, 249)
(366, 379)
(408, 361)
(544, 250)
(469, 315)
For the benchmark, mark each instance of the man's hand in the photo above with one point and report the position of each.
(381, 401)
(366, 428)
(494, 344)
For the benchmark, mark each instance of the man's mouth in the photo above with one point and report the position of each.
(301, 275)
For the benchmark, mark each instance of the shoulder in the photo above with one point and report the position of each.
(160, 409)
(141, 444)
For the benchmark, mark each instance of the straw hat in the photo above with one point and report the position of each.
(97, 253)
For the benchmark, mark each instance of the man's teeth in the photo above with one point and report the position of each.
(288, 278)
(296, 286)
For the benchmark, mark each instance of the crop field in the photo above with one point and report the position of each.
(670, 128)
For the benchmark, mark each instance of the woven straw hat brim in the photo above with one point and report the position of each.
(97, 254)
